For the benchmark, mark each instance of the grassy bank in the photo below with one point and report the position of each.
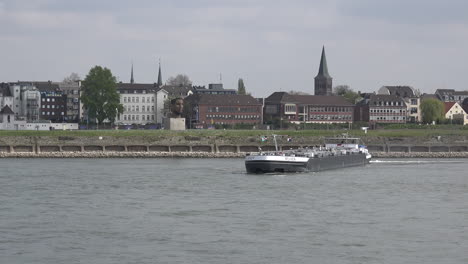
(239, 133)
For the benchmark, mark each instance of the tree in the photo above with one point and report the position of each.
(179, 80)
(99, 95)
(72, 78)
(348, 93)
(240, 86)
(432, 110)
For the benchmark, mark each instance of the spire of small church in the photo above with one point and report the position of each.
(159, 75)
(131, 75)
(323, 69)
(323, 80)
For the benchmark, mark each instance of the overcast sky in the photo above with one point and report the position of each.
(272, 44)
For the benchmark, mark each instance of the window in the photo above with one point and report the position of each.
(143, 99)
(125, 99)
(143, 116)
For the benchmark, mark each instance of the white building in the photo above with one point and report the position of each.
(8, 121)
(23, 98)
(139, 102)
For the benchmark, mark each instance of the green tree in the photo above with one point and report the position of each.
(348, 93)
(241, 86)
(99, 95)
(432, 110)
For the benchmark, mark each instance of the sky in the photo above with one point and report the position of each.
(273, 45)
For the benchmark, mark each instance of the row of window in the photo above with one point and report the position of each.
(231, 109)
(386, 103)
(387, 111)
(51, 113)
(330, 109)
(52, 106)
(136, 99)
(330, 117)
(137, 117)
(136, 108)
(387, 118)
(232, 116)
(45, 99)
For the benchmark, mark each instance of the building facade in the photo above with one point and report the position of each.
(213, 88)
(410, 96)
(307, 108)
(73, 104)
(213, 109)
(53, 102)
(139, 103)
(379, 108)
(24, 100)
(455, 112)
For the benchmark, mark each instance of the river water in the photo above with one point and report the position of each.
(210, 211)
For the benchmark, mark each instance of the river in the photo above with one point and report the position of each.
(211, 211)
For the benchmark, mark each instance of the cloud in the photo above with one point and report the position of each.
(271, 44)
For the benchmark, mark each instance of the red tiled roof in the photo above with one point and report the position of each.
(448, 106)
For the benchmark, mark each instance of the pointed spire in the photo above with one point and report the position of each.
(323, 69)
(131, 75)
(159, 75)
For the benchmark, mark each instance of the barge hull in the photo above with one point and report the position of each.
(312, 165)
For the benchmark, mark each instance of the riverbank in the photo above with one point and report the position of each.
(205, 155)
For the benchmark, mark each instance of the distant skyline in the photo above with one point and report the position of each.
(273, 45)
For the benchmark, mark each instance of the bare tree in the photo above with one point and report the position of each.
(297, 93)
(179, 80)
(72, 78)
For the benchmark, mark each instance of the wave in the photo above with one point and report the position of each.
(414, 161)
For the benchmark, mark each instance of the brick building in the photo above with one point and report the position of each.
(308, 108)
(226, 109)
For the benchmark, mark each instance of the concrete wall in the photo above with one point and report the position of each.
(32, 147)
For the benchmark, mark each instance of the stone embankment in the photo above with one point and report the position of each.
(112, 154)
(178, 146)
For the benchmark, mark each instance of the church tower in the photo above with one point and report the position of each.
(323, 80)
(159, 75)
(131, 76)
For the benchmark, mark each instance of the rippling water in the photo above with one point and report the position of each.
(210, 211)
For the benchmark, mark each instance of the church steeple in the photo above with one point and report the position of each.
(323, 80)
(323, 69)
(131, 76)
(159, 75)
